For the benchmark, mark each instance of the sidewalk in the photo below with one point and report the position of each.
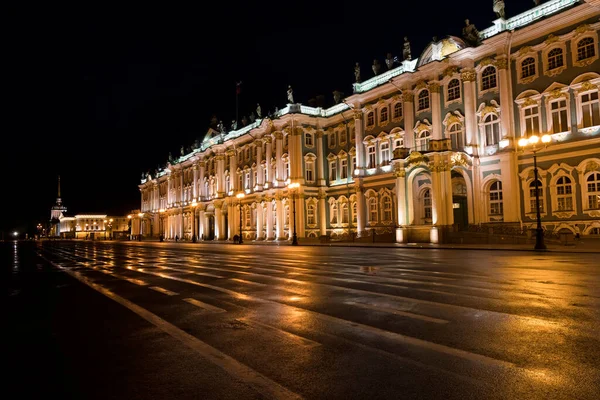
(585, 245)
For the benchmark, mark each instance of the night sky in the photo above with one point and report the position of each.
(99, 93)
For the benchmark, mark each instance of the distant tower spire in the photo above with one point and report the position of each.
(59, 186)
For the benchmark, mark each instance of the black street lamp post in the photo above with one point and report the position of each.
(240, 196)
(533, 143)
(293, 187)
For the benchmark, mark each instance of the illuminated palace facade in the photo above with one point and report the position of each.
(418, 153)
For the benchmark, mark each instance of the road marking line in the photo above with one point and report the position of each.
(247, 282)
(132, 280)
(163, 291)
(255, 379)
(205, 306)
(304, 341)
(398, 312)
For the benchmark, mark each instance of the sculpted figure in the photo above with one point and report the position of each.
(376, 67)
(470, 34)
(406, 50)
(258, 110)
(290, 95)
(389, 61)
(357, 73)
(499, 8)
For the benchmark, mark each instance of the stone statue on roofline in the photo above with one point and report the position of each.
(245, 120)
(233, 125)
(170, 157)
(376, 67)
(182, 151)
(357, 73)
(258, 111)
(406, 55)
(471, 34)
(499, 8)
(290, 94)
(389, 61)
(337, 96)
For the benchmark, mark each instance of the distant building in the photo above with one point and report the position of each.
(56, 212)
(419, 153)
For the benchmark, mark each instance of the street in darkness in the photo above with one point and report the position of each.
(142, 320)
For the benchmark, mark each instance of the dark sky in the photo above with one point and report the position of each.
(99, 92)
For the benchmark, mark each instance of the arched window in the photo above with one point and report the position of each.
(398, 110)
(371, 161)
(495, 200)
(453, 90)
(227, 184)
(564, 194)
(423, 99)
(387, 208)
(427, 213)
(331, 139)
(532, 199)
(586, 48)
(555, 58)
(372, 210)
(333, 211)
(385, 152)
(423, 140)
(593, 191)
(354, 213)
(528, 67)
(488, 78)
(457, 136)
(286, 216)
(384, 115)
(491, 129)
(370, 119)
(345, 213)
(310, 214)
(308, 139)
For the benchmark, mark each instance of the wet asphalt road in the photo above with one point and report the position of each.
(128, 320)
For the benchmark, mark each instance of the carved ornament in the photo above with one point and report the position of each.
(358, 114)
(529, 102)
(502, 63)
(451, 71)
(408, 96)
(524, 50)
(399, 172)
(434, 87)
(587, 85)
(486, 61)
(468, 75)
(551, 39)
(581, 29)
(592, 166)
(420, 85)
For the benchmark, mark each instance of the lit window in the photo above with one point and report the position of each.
(309, 171)
(495, 199)
(384, 115)
(528, 67)
(532, 120)
(370, 119)
(333, 210)
(423, 100)
(344, 168)
(372, 210)
(308, 139)
(387, 208)
(593, 191)
(457, 136)
(333, 170)
(427, 204)
(423, 140)
(585, 48)
(555, 59)
(354, 213)
(345, 213)
(398, 110)
(564, 194)
(491, 129)
(453, 90)
(532, 199)
(488, 78)
(590, 109)
(559, 112)
(310, 214)
(385, 152)
(371, 157)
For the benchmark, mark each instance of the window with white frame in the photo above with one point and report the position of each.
(285, 141)
(371, 162)
(559, 115)
(371, 119)
(593, 191)
(397, 110)
(345, 213)
(240, 181)
(227, 184)
(528, 67)
(247, 180)
(309, 170)
(491, 129)
(423, 100)
(286, 215)
(488, 78)
(344, 168)
(384, 148)
(354, 213)
(265, 172)
(586, 48)
(423, 140)
(255, 176)
(311, 214)
(564, 194)
(496, 204)
(333, 212)
(352, 164)
(247, 216)
(387, 208)
(286, 169)
(331, 139)
(457, 136)
(247, 153)
(531, 119)
(590, 109)
(308, 139)
(372, 202)
(532, 198)
(333, 170)
(383, 117)
(453, 90)
(427, 204)
(555, 58)
(398, 142)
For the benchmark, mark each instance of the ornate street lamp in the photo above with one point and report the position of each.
(293, 187)
(534, 143)
(240, 196)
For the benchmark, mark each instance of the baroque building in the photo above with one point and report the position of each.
(420, 152)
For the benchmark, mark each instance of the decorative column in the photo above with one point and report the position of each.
(201, 212)
(300, 212)
(468, 76)
(409, 119)
(233, 182)
(279, 182)
(323, 213)
(401, 231)
(506, 104)
(259, 169)
(320, 159)
(168, 190)
(358, 140)
(269, 212)
(269, 154)
(436, 112)
(447, 190)
(360, 209)
(219, 231)
(437, 209)
(232, 220)
(220, 158)
(195, 187)
(259, 219)
(279, 223)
